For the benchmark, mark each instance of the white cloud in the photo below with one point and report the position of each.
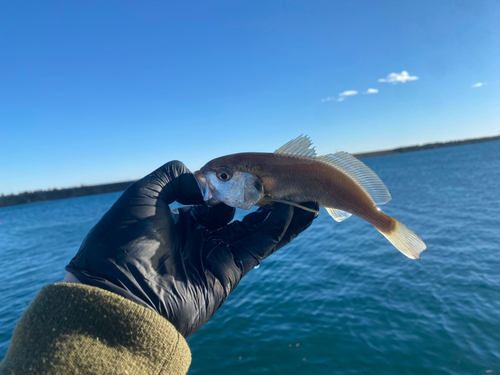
(479, 84)
(348, 93)
(371, 91)
(341, 96)
(398, 78)
(327, 99)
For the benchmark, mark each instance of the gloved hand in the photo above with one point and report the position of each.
(184, 263)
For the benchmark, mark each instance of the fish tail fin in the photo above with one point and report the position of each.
(405, 240)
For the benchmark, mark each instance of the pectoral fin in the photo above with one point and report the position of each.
(295, 205)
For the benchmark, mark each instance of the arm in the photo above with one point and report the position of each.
(80, 329)
(150, 276)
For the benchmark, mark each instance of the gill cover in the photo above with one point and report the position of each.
(242, 190)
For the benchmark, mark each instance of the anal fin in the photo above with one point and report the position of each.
(338, 215)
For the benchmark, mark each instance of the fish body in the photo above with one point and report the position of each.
(293, 174)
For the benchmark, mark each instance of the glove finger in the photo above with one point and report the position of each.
(179, 184)
(230, 261)
(171, 182)
(261, 242)
(301, 220)
(212, 217)
(241, 229)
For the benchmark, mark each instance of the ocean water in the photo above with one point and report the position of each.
(340, 299)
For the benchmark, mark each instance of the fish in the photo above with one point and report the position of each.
(294, 174)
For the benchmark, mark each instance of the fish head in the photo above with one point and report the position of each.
(229, 184)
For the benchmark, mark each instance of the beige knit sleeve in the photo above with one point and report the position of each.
(80, 329)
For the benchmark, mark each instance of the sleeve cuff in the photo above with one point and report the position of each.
(77, 328)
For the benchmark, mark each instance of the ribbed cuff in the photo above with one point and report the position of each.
(80, 329)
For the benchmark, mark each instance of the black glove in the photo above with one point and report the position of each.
(184, 263)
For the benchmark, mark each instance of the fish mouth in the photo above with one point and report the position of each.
(204, 186)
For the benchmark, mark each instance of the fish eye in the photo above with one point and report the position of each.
(224, 174)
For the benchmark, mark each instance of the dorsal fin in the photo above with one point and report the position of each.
(360, 173)
(300, 146)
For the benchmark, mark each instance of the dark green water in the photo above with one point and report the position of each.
(340, 299)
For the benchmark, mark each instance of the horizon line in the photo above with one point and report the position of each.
(359, 155)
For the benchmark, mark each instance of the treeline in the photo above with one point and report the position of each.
(428, 146)
(48, 195)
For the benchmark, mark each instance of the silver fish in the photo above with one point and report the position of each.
(294, 174)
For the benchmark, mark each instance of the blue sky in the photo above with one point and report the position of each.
(103, 91)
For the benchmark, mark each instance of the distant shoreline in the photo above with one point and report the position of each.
(50, 195)
(427, 146)
(80, 191)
